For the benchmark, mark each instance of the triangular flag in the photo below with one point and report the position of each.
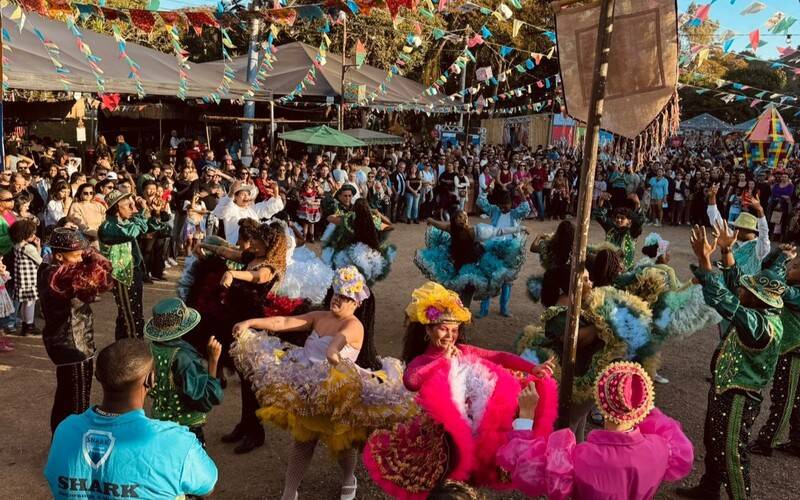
(505, 50)
(726, 46)
(753, 8)
(754, 38)
(701, 57)
(361, 54)
(515, 27)
(774, 20)
(702, 13)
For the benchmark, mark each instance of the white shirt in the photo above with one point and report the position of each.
(762, 245)
(231, 213)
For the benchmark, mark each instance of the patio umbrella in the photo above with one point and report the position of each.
(374, 138)
(322, 135)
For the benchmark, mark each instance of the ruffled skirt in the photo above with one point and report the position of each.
(307, 277)
(500, 263)
(339, 406)
(373, 264)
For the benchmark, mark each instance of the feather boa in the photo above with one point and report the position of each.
(84, 280)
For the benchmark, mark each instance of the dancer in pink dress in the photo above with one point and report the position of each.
(637, 450)
(468, 400)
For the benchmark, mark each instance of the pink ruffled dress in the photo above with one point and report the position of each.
(608, 465)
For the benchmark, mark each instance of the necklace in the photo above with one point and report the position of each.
(105, 413)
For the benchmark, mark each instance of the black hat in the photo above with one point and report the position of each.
(67, 240)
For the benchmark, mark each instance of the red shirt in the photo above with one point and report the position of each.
(538, 178)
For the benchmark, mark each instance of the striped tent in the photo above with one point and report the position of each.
(769, 141)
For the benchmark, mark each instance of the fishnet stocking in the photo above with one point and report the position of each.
(299, 458)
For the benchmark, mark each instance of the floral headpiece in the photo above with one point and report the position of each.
(432, 304)
(654, 239)
(348, 282)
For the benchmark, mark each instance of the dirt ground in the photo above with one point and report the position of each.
(27, 379)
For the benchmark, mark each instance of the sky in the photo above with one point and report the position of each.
(729, 17)
(726, 12)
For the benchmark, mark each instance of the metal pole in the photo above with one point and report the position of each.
(463, 86)
(604, 29)
(252, 72)
(271, 125)
(344, 68)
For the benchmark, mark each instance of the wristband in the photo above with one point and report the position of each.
(522, 424)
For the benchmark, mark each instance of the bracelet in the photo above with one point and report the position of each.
(522, 424)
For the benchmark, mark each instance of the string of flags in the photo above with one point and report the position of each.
(267, 58)
(91, 59)
(133, 66)
(145, 20)
(53, 52)
(731, 97)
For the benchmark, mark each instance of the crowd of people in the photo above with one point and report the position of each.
(297, 326)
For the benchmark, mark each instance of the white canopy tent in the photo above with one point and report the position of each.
(29, 67)
(294, 59)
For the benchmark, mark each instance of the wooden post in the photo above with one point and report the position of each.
(2, 114)
(583, 219)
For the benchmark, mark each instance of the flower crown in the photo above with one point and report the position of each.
(432, 303)
(349, 283)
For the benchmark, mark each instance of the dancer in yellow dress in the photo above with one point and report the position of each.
(317, 392)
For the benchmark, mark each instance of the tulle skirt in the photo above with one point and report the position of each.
(500, 263)
(373, 264)
(338, 405)
(307, 277)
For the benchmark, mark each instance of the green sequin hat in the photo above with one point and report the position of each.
(766, 285)
(171, 319)
(115, 197)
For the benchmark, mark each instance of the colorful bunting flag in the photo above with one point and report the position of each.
(361, 54)
(143, 19)
(754, 38)
(517, 24)
(753, 8)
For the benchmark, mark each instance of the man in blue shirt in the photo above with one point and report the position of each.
(114, 451)
(659, 187)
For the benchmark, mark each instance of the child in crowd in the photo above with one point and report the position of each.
(194, 229)
(7, 318)
(638, 448)
(27, 258)
(76, 275)
(185, 390)
(309, 211)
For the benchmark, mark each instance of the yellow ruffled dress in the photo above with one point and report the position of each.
(300, 391)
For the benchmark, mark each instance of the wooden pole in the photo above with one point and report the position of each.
(2, 111)
(605, 27)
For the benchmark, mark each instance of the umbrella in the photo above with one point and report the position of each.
(374, 138)
(322, 135)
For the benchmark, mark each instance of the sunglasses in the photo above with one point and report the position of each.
(87, 193)
(7, 199)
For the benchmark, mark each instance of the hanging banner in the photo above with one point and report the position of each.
(642, 71)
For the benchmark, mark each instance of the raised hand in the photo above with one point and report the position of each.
(528, 399)
(702, 247)
(755, 204)
(725, 238)
(789, 250)
(712, 193)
